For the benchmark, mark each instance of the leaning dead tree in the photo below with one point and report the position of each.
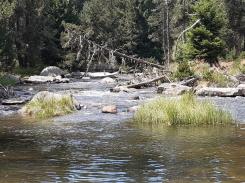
(93, 50)
(182, 34)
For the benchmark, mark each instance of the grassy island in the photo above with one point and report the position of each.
(181, 112)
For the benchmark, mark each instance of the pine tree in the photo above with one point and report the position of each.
(6, 35)
(205, 39)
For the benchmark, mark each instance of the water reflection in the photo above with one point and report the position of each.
(119, 152)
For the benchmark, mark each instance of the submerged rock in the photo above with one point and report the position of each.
(173, 89)
(221, 92)
(109, 109)
(52, 71)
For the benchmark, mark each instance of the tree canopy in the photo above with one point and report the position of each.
(33, 32)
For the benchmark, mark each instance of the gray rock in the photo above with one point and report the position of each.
(112, 109)
(118, 89)
(108, 80)
(221, 92)
(241, 77)
(133, 109)
(86, 79)
(136, 97)
(77, 74)
(242, 86)
(46, 79)
(100, 75)
(52, 71)
(173, 89)
(14, 101)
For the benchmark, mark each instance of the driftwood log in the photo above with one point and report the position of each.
(139, 85)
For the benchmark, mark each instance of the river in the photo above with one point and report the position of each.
(89, 146)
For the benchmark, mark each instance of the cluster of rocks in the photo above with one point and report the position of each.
(222, 92)
(53, 74)
(181, 88)
(50, 74)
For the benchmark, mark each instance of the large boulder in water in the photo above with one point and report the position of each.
(47, 104)
(52, 71)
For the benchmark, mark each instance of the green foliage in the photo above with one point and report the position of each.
(28, 71)
(215, 78)
(34, 32)
(231, 55)
(205, 39)
(183, 71)
(5, 80)
(181, 112)
(44, 109)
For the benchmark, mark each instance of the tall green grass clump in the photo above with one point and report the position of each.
(43, 109)
(181, 112)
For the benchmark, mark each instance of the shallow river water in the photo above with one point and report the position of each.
(119, 152)
(94, 147)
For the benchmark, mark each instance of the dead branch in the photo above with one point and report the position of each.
(181, 34)
(138, 85)
(91, 59)
(72, 35)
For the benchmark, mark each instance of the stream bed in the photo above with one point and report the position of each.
(88, 146)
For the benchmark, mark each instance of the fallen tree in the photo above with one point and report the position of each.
(81, 42)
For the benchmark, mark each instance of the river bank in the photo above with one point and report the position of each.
(93, 95)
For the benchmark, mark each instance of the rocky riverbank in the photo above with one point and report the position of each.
(101, 96)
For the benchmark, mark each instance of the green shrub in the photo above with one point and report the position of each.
(183, 71)
(5, 80)
(215, 78)
(205, 40)
(29, 70)
(231, 55)
(184, 111)
(242, 55)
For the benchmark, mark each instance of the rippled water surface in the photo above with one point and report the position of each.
(119, 152)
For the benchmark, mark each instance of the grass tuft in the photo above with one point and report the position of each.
(181, 112)
(43, 109)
